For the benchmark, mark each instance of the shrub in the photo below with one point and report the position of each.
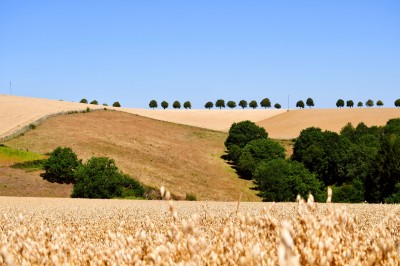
(220, 103)
(99, 177)
(209, 105)
(61, 166)
(253, 104)
(84, 101)
(266, 103)
(164, 104)
(153, 104)
(176, 105)
(187, 105)
(231, 104)
(243, 103)
(190, 197)
(94, 102)
(277, 106)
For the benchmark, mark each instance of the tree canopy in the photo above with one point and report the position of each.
(397, 103)
(176, 105)
(231, 104)
(153, 104)
(84, 101)
(266, 103)
(253, 104)
(300, 104)
(277, 106)
(60, 166)
(187, 105)
(164, 104)
(340, 103)
(310, 102)
(379, 103)
(369, 103)
(243, 132)
(220, 103)
(209, 105)
(116, 104)
(243, 103)
(350, 103)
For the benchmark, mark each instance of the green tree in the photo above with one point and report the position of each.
(187, 105)
(300, 104)
(243, 132)
(176, 105)
(379, 103)
(231, 104)
(256, 151)
(243, 103)
(277, 106)
(340, 103)
(153, 104)
(60, 166)
(84, 101)
(350, 103)
(116, 104)
(253, 104)
(310, 102)
(282, 180)
(164, 104)
(266, 103)
(397, 103)
(369, 103)
(360, 104)
(209, 105)
(100, 178)
(220, 103)
(94, 102)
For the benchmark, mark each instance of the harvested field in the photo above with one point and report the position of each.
(183, 158)
(215, 119)
(18, 112)
(44, 231)
(289, 124)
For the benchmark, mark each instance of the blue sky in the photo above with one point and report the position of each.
(136, 51)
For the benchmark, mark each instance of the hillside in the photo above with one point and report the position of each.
(17, 112)
(182, 158)
(289, 124)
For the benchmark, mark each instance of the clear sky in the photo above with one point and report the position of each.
(136, 51)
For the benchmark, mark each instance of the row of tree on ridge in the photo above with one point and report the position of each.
(266, 103)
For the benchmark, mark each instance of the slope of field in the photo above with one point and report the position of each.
(214, 119)
(289, 124)
(44, 231)
(182, 158)
(18, 112)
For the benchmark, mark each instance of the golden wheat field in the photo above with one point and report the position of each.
(44, 231)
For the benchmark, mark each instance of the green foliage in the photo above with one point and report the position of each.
(253, 104)
(84, 101)
(116, 104)
(153, 104)
(94, 102)
(350, 103)
(266, 103)
(190, 197)
(369, 103)
(300, 104)
(9, 154)
(243, 132)
(392, 126)
(231, 104)
(349, 192)
(187, 105)
(32, 126)
(34, 165)
(176, 105)
(234, 153)
(61, 166)
(360, 104)
(220, 103)
(99, 177)
(283, 180)
(164, 104)
(340, 103)
(379, 103)
(277, 106)
(243, 103)
(256, 151)
(397, 103)
(209, 105)
(310, 102)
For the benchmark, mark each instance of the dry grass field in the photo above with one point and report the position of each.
(289, 124)
(185, 159)
(17, 112)
(44, 231)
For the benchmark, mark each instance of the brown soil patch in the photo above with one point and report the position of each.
(182, 158)
(289, 124)
(17, 182)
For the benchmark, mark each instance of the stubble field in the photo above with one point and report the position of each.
(44, 231)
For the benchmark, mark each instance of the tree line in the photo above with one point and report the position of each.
(220, 103)
(360, 163)
(95, 102)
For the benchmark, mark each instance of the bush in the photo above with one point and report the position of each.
(190, 197)
(164, 104)
(153, 104)
(209, 105)
(243, 132)
(282, 180)
(99, 177)
(187, 105)
(277, 106)
(94, 102)
(176, 105)
(61, 166)
(84, 101)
